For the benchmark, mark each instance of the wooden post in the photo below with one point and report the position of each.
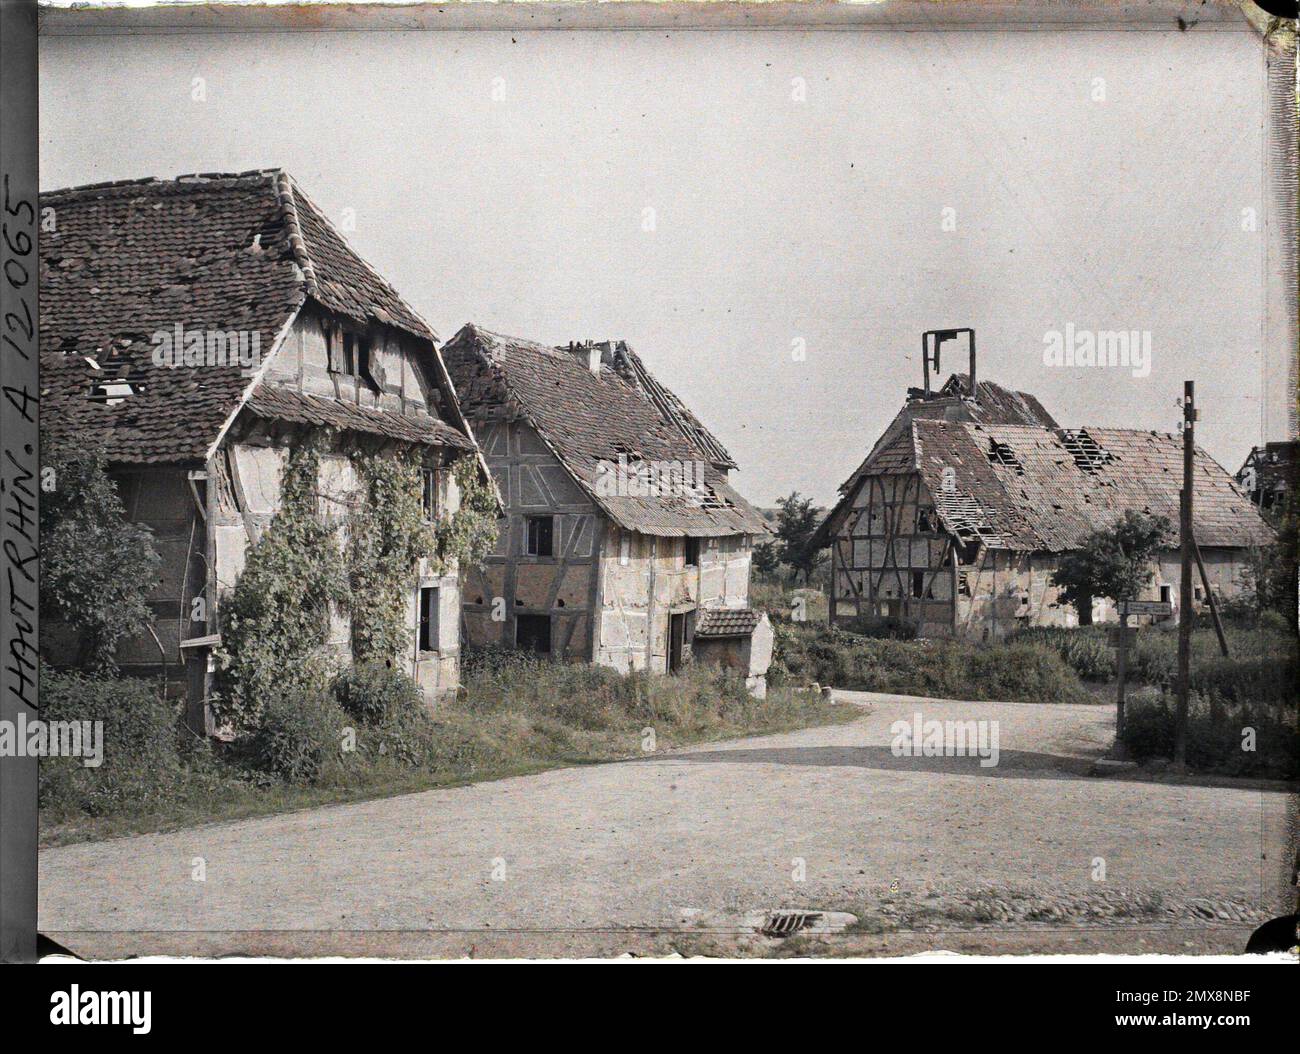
(1185, 579)
(1121, 671)
(1209, 595)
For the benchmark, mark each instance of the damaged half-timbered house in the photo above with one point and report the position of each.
(958, 516)
(196, 330)
(623, 542)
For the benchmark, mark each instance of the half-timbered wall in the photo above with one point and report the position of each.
(244, 495)
(890, 549)
(397, 366)
(511, 583)
(890, 558)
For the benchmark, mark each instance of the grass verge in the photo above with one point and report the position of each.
(516, 716)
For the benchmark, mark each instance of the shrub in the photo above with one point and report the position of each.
(299, 737)
(885, 627)
(1085, 650)
(941, 668)
(97, 568)
(276, 620)
(141, 760)
(1215, 735)
(376, 693)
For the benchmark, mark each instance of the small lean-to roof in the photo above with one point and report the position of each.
(122, 261)
(1047, 489)
(725, 622)
(590, 421)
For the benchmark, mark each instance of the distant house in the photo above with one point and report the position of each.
(623, 542)
(958, 516)
(1270, 474)
(197, 329)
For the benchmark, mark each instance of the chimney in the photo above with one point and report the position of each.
(591, 354)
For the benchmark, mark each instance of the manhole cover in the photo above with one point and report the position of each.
(788, 923)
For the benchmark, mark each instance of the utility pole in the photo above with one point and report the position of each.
(1188, 556)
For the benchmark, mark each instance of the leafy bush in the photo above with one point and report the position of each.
(299, 737)
(887, 627)
(1215, 735)
(96, 567)
(939, 668)
(141, 760)
(376, 693)
(1085, 650)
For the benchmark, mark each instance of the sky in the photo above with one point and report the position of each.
(770, 218)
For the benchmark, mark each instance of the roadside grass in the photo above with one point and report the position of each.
(944, 669)
(516, 716)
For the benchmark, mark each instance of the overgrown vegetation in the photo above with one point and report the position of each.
(97, 568)
(372, 735)
(277, 617)
(276, 622)
(1113, 562)
(943, 669)
(387, 537)
(1256, 737)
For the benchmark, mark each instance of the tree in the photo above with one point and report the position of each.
(767, 559)
(97, 568)
(1115, 562)
(1270, 571)
(795, 524)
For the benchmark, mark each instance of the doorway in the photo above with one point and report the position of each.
(676, 641)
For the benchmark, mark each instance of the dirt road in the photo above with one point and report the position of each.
(647, 855)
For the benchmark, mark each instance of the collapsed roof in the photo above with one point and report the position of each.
(592, 419)
(232, 253)
(992, 404)
(1035, 488)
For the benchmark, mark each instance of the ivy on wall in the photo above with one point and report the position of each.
(277, 618)
(470, 534)
(387, 538)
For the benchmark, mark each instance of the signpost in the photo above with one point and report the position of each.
(1122, 639)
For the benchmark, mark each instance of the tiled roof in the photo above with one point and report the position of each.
(994, 405)
(284, 404)
(215, 252)
(588, 419)
(725, 622)
(1031, 488)
(627, 363)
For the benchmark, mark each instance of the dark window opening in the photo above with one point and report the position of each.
(541, 536)
(925, 521)
(429, 495)
(349, 354)
(533, 633)
(692, 552)
(429, 618)
(1166, 594)
(918, 584)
